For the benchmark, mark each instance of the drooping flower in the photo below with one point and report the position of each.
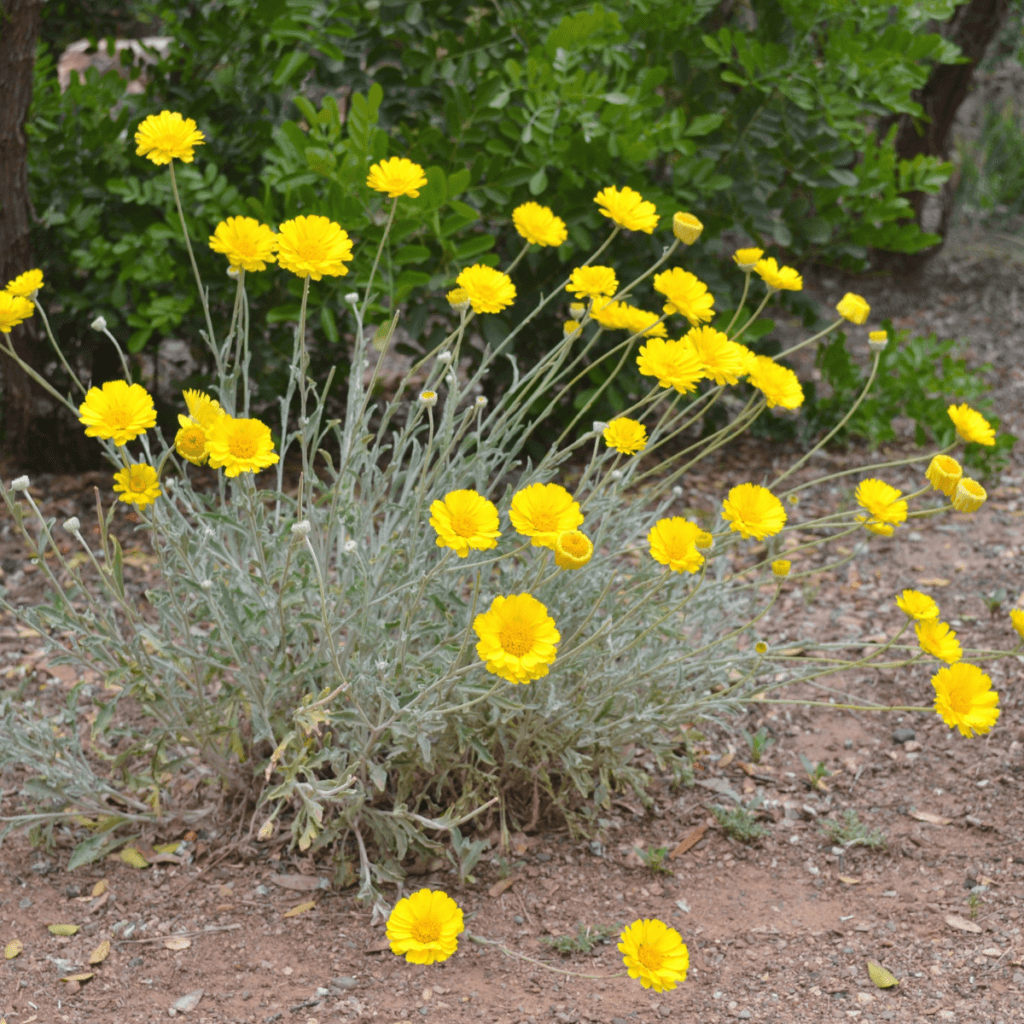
(489, 290)
(543, 511)
(1017, 621)
(882, 500)
(248, 244)
(14, 309)
(685, 295)
(573, 550)
(26, 284)
(627, 208)
(621, 316)
(938, 640)
(674, 364)
(655, 954)
(722, 360)
(969, 495)
(753, 511)
(137, 485)
(167, 136)
(539, 225)
(673, 542)
(781, 567)
(917, 605)
(964, 698)
(686, 227)
(779, 278)
(593, 282)
(118, 411)
(240, 446)
(464, 520)
(746, 259)
(518, 639)
(314, 247)
(625, 435)
(853, 308)
(779, 383)
(971, 425)
(944, 474)
(397, 176)
(424, 927)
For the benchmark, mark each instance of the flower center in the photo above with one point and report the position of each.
(574, 544)
(544, 522)
(193, 441)
(463, 524)
(960, 701)
(137, 480)
(120, 417)
(426, 930)
(650, 957)
(516, 638)
(243, 445)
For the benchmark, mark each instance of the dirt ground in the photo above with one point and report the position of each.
(774, 933)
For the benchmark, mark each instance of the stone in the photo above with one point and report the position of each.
(903, 735)
(345, 981)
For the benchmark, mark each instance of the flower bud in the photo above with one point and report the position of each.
(746, 259)
(969, 496)
(616, 474)
(72, 525)
(762, 647)
(206, 584)
(569, 328)
(444, 357)
(853, 308)
(600, 426)
(481, 401)
(233, 273)
(352, 298)
(877, 340)
(944, 473)
(576, 310)
(428, 398)
(458, 299)
(677, 491)
(686, 227)
(301, 529)
(266, 830)
(381, 665)
(350, 546)
(780, 568)
(20, 483)
(99, 324)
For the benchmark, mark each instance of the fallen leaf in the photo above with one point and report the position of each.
(932, 819)
(880, 976)
(133, 858)
(993, 952)
(933, 582)
(62, 929)
(177, 942)
(499, 887)
(299, 883)
(168, 847)
(13, 948)
(849, 880)
(962, 924)
(189, 1001)
(726, 759)
(985, 880)
(100, 953)
(79, 977)
(302, 908)
(691, 838)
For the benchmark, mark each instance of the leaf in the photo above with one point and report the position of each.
(133, 858)
(13, 948)
(961, 924)
(100, 953)
(92, 849)
(933, 582)
(177, 942)
(690, 839)
(849, 880)
(79, 977)
(499, 887)
(99, 888)
(300, 883)
(932, 819)
(71, 929)
(880, 976)
(301, 908)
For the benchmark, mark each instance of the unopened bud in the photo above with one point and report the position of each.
(233, 273)
(761, 647)
(301, 529)
(99, 324)
(349, 546)
(576, 310)
(686, 228)
(72, 525)
(481, 401)
(428, 398)
(352, 298)
(600, 426)
(266, 830)
(20, 483)
(444, 357)
(877, 340)
(206, 584)
(780, 568)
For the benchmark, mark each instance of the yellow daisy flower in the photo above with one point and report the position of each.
(464, 520)
(675, 364)
(944, 474)
(26, 284)
(938, 640)
(620, 316)
(625, 435)
(425, 927)
(746, 259)
(627, 208)
(571, 327)
(240, 446)
(190, 442)
(853, 308)
(917, 605)
(397, 176)
(1017, 621)
(781, 567)
(167, 136)
(882, 500)
(14, 309)
(118, 411)
(314, 247)
(573, 550)
(753, 511)
(964, 698)
(686, 227)
(779, 278)
(780, 385)
(971, 425)
(543, 511)
(592, 282)
(685, 295)
(137, 485)
(655, 954)
(202, 409)
(539, 225)
(248, 244)
(489, 290)
(969, 495)
(518, 639)
(723, 360)
(673, 542)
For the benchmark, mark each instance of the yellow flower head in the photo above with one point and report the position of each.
(944, 474)
(779, 278)
(853, 308)
(314, 247)
(882, 500)
(746, 259)
(655, 954)
(397, 176)
(780, 385)
(13, 310)
(971, 425)
(190, 442)
(674, 363)
(969, 495)
(686, 227)
(248, 244)
(722, 360)
(627, 208)
(917, 605)
(240, 446)
(753, 511)
(621, 316)
(518, 639)
(119, 411)
(685, 295)
(573, 550)
(964, 698)
(593, 283)
(673, 543)
(571, 327)
(543, 511)
(424, 927)
(202, 409)
(464, 520)
(1017, 621)
(26, 284)
(539, 225)
(781, 567)
(164, 137)
(489, 290)
(137, 485)
(938, 640)
(458, 299)
(749, 359)
(873, 526)
(625, 435)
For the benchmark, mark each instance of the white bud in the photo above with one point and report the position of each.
(99, 324)
(301, 529)
(677, 491)
(352, 298)
(428, 398)
(72, 525)
(206, 584)
(450, 380)
(600, 426)
(616, 474)
(350, 545)
(444, 357)
(381, 665)
(576, 310)
(233, 273)
(481, 401)
(19, 483)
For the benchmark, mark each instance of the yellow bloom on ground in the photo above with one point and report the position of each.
(882, 500)
(779, 278)
(543, 511)
(971, 425)
(167, 136)
(685, 295)
(489, 290)
(627, 208)
(593, 283)
(746, 259)
(654, 953)
(673, 363)
(1017, 621)
(686, 227)
(673, 542)
(137, 485)
(781, 567)
(621, 316)
(397, 176)
(753, 511)
(944, 474)
(25, 284)
(722, 360)
(539, 225)
(969, 496)
(917, 605)
(780, 385)
(853, 308)
(240, 446)
(573, 550)
(518, 639)
(938, 640)
(458, 299)
(314, 247)
(118, 411)
(625, 435)
(464, 520)
(14, 309)
(964, 698)
(424, 927)
(248, 244)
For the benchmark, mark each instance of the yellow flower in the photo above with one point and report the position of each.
(397, 176)
(969, 496)
(190, 441)
(685, 295)
(137, 485)
(674, 363)
(425, 927)
(781, 567)
(878, 339)
(518, 639)
(749, 359)
(722, 360)
(571, 327)
(314, 247)
(248, 244)
(746, 259)
(543, 511)
(964, 698)
(593, 282)
(753, 511)
(240, 446)
(464, 520)
(654, 953)
(119, 411)
(853, 308)
(882, 500)
(458, 299)
(917, 605)
(26, 284)
(625, 435)
(13, 310)
(165, 137)
(779, 278)
(1017, 621)
(944, 474)
(971, 425)
(686, 227)
(673, 543)
(573, 550)
(937, 639)
(489, 290)
(780, 385)
(627, 208)
(872, 526)
(202, 409)
(539, 225)
(620, 316)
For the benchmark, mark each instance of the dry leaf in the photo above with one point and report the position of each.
(266, 830)
(177, 942)
(167, 847)
(880, 976)
(933, 582)
(849, 880)
(13, 948)
(300, 883)
(100, 953)
(932, 819)
(962, 924)
(62, 929)
(79, 977)
(726, 759)
(499, 887)
(691, 838)
(133, 858)
(301, 908)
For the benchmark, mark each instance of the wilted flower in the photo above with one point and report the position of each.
(686, 227)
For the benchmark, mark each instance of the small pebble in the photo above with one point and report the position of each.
(902, 735)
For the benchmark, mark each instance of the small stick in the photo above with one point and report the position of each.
(185, 935)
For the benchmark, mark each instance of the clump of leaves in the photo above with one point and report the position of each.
(739, 824)
(851, 831)
(759, 743)
(973, 902)
(816, 773)
(585, 939)
(654, 858)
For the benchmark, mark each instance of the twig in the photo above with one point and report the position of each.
(185, 935)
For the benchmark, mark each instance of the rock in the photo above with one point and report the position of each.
(345, 981)
(903, 735)
(187, 1002)
(1018, 977)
